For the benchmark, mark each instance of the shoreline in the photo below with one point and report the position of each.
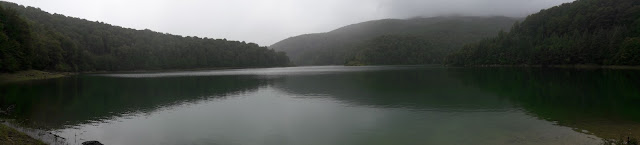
(171, 70)
(577, 66)
(11, 135)
(28, 75)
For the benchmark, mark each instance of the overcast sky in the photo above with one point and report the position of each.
(268, 21)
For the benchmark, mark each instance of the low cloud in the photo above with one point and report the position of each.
(268, 21)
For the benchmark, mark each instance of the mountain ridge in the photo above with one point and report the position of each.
(336, 46)
(69, 44)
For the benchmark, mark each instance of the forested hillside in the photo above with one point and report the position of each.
(357, 43)
(14, 37)
(397, 50)
(34, 39)
(600, 32)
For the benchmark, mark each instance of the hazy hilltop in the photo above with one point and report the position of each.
(35, 39)
(600, 32)
(341, 45)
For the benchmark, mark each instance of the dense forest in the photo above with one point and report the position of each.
(14, 40)
(397, 50)
(34, 39)
(599, 32)
(368, 42)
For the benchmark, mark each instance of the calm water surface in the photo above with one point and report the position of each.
(335, 105)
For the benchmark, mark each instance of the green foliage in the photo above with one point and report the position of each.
(14, 42)
(35, 39)
(629, 53)
(390, 50)
(9, 135)
(340, 46)
(598, 32)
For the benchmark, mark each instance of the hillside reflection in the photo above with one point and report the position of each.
(602, 102)
(599, 102)
(421, 88)
(74, 100)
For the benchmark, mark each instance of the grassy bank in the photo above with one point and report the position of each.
(30, 75)
(10, 136)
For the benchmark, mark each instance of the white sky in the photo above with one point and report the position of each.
(268, 21)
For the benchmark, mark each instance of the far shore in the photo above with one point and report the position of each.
(31, 75)
(170, 70)
(577, 66)
(40, 75)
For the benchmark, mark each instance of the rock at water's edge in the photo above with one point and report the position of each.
(92, 143)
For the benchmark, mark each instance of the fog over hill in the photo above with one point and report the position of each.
(266, 22)
(440, 36)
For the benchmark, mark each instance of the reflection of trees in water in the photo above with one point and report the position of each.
(603, 102)
(69, 101)
(429, 89)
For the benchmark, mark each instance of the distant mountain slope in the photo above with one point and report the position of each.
(602, 32)
(340, 45)
(60, 43)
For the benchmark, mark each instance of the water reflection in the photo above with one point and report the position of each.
(337, 105)
(75, 100)
(600, 102)
(603, 102)
(418, 88)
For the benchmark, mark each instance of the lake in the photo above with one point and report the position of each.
(324, 105)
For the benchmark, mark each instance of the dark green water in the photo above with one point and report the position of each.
(335, 105)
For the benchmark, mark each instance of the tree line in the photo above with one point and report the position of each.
(33, 39)
(599, 32)
(398, 50)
